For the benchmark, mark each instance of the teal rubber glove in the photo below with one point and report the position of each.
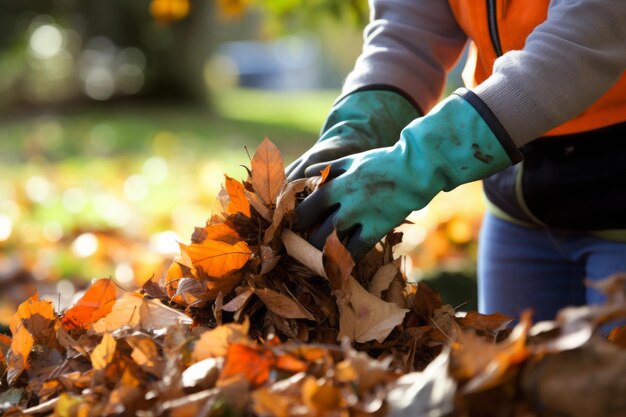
(372, 192)
(361, 121)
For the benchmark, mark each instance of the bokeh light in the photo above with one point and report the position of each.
(38, 188)
(6, 227)
(46, 41)
(85, 245)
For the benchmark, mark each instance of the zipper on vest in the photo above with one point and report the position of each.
(492, 21)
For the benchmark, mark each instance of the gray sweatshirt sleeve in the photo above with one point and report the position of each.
(409, 45)
(567, 63)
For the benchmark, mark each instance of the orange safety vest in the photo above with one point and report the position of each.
(498, 26)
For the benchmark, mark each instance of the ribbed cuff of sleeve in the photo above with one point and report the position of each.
(509, 146)
(516, 110)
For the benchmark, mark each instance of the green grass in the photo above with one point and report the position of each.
(291, 119)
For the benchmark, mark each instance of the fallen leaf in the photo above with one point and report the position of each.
(508, 353)
(192, 292)
(102, 355)
(215, 286)
(424, 394)
(154, 289)
(269, 259)
(425, 302)
(223, 232)
(96, 303)
(251, 362)
(280, 399)
(303, 252)
(382, 279)
(70, 405)
(285, 204)
(322, 395)
(237, 302)
(39, 318)
(268, 172)
(145, 353)
(363, 371)
(217, 258)
(238, 203)
(21, 346)
(366, 317)
(134, 311)
(485, 322)
(338, 265)
(259, 205)
(215, 343)
(282, 305)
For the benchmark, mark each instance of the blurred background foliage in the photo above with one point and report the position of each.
(120, 118)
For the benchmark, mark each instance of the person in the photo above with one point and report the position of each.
(542, 121)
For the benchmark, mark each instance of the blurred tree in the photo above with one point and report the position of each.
(154, 48)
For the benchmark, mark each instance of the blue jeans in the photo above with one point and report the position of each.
(543, 269)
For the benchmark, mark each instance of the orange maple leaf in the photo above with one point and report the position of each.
(222, 232)
(21, 346)
(268, 172)
(238, 202)
(251, 362)
(217, 258)
(96, 303)
(39, 319)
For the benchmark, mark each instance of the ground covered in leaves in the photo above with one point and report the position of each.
(252, 320)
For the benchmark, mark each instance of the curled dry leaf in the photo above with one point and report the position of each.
(238, 203)
(192, 292)
(366, 317)
(134, 311)
(382, 279)
(222, 232)
(322, 396)
(285, 204)
(303, 252)
(269, 259)
(485, 322)
(338, 265)
(96, 303)
(145, 351)
(282, 305)
(238, 302)
(507, 354)
(39, 318)
(254, 363)
(259, 205)
(21, 346)
(102, 355)
(214, 343)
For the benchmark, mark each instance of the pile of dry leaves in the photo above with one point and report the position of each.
(252, 320)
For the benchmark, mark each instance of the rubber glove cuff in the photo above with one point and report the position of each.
(360, 121)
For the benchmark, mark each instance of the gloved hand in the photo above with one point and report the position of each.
(361, 121)
(372, 192)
